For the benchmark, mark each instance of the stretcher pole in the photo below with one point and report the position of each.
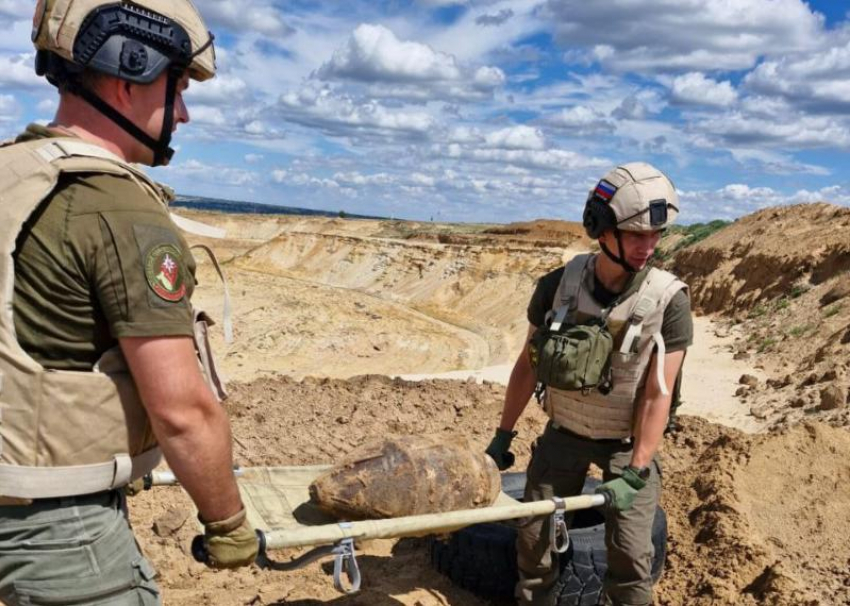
(432, 523)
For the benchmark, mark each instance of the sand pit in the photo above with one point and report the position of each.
(754, 519)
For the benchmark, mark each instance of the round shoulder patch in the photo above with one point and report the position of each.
(164, 272)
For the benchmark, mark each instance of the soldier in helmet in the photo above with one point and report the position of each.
(611, 408)
(98, 340)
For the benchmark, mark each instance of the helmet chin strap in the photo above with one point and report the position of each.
(621, 260)
(162, 152)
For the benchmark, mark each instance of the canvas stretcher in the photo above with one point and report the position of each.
(278, 504)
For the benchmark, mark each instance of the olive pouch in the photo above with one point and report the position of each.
(573, 357)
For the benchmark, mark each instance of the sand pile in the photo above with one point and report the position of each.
(763, 256)
(753, 520)
(758, 519)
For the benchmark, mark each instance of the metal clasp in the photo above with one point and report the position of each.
(559, 536)
(346, 561)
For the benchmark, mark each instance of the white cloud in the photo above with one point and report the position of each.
(694, 88)
(775, 163)
(339, 114)
(516, 137)
(374, 53)
(48, 106)
(797, 131)
(683, 35)
(254, 158)
(204, 114)
(17, 71)
(549, 159)
(9, 108)
(580, 120)
(16, 9)
(224, 89)
(244, 15)
(209, 173)
(374, 56)
(818, 81)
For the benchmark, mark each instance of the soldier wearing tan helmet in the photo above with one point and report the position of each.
(606, 342)
(98, 340)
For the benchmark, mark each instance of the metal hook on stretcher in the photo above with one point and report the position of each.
(559, 536)
(345, 559)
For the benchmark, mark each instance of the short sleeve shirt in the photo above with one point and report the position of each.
(676, 328)
(99, 259)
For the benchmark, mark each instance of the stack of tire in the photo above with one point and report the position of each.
(482, 558)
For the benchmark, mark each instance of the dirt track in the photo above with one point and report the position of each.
(753, 519)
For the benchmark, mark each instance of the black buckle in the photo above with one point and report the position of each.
(657, 212)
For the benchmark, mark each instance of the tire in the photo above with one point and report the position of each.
(482, 558)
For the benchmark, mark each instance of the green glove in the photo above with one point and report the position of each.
(499, 449)
(135, 487)
(231, 543)
(621, 491)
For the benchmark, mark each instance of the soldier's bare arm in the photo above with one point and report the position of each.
(653, 409)
(520, 386)
(191, 426)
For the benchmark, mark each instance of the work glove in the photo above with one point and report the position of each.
(621, 491)
(135, 487)
(230, 543)
(499, 449)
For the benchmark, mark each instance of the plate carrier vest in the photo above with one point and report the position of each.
(67, 433)
(635, 323)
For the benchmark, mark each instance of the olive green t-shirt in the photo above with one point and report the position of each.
(677, 327)
(98, 260)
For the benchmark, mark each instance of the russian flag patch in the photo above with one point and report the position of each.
(605, 190)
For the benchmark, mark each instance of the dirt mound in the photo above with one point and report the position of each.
(565, 232)
(754, 519)
(764, 255)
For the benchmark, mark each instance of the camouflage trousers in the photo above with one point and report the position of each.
(75, 550)
(558, 467)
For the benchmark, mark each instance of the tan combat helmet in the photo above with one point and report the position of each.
(632, 197)
(134, 41)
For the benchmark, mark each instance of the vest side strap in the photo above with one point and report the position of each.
(54, 482)
(228, 309)
(659, 364)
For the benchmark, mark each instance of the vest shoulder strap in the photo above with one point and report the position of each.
(570, 284)
(71, 155)
(652, 293)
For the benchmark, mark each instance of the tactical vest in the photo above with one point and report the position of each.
(66, 433)
(635, 323)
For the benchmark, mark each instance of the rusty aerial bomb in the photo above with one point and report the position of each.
(404, 476)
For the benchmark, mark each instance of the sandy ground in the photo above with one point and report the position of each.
(712, 376)
(753, 518)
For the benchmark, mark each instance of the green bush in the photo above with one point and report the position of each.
(832, 310)
(799, 331)
(766, 344)
(758, 311)
(798, 290)
(693, 233)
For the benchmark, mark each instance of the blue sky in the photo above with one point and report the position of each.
(501, 110)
